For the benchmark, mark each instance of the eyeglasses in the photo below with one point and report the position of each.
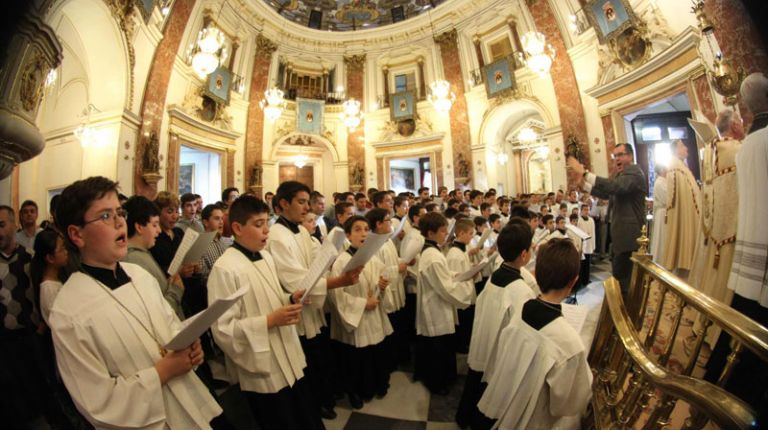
(109, 217)
(620, 154)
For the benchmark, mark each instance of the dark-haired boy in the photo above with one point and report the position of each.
(459, 262)
(291, 247)
(502, 296)
(258, 334)
(110, 321)
(143, 223)
(540, 377)
(438, 297)
(189, 214)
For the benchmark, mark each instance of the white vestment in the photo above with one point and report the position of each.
(541, 379)
(388, 257)
(106, 349)
(352, 323)
(492, 305)
(749, 271)
(293, 254)
(48, 292)
(438, 295)
(588, 225)
(659, 217)
(261, 359)
(458, 262)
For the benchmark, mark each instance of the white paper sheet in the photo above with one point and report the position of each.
(191, 249)
(705, 131)
(583, 235)
(469, 274)
(575, 315)
(397, 229)
(194, 326)
(336, 236)
(324, 257)
(484, 237)
(370, 247)
(412, 244)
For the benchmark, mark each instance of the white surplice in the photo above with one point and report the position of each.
(262, 360)
(352, 323)
(541, 379)
(388, 257)
(293, 254)
(492, 304)
(588, 225)
(459, 262)
(106, 357)
(438, 296)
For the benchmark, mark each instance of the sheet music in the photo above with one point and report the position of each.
(483, 238)
(336, 236)
(370, 247)
(705, 132)
(194, 326)
(575, 315)
(398, 229)
(469, 274)
(191, 249)
(325, 256)
(583, 235)
(412, 244)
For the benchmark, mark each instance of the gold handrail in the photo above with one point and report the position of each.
(721, 407)
(753, 335)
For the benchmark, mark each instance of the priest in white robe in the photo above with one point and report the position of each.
(659, 212)
(683, 212)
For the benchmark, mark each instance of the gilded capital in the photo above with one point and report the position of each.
(264, 46)
(355, 62)
(449, 39)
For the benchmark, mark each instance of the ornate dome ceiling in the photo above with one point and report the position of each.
(349, 15)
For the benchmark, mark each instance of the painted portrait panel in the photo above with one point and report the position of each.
(402, 105)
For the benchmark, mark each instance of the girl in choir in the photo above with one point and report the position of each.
(360, 323)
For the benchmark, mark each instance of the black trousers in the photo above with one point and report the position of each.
(621, 269)
(749, 380)
(291, 408)
(435, 362)
(319, 370)
(467, 414)
(584, 272)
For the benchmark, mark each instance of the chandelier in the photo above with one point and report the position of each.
(209, 51)
(273, 103)
(300, 161)
(526, 135)
(84, 132)
(352, 114)
(503, 158)
(441, 96)
(538, 55)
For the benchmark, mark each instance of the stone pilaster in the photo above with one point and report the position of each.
(157, 88)
(356, 139)
(460, 140)
(254, 133)
(567, 92)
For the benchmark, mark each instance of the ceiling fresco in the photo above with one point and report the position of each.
(350, 15)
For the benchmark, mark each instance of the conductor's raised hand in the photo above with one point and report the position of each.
(287, 315)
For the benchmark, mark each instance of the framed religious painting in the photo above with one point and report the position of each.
(610, 17)
(309, 116)
(499, 77)
(218, 85)
(402, 105)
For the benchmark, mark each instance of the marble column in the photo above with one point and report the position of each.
(567, 91)
(356, 139)
(254, 132)
(460, 140)
(739, 39)
(157, 89)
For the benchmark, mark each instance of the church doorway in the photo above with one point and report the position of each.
(304, 174)
(410, 174)
(200, 173)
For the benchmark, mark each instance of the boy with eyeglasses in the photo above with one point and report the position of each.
(110, 322)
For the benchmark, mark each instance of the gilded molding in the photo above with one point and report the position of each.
(123, 11)
(355, 62)
(264, 46)
(449, 39)
(32, 77)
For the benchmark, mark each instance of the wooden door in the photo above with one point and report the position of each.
(305, 175)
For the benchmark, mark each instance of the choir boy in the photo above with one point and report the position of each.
(110, 322)
(438, 297)
(360, 323)
(459, 262)
(258, 334)
(505, 293)
(540, 378)
(188, 214)
(587, 223)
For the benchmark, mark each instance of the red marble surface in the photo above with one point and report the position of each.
(704, 96)
(738, 39)
(610, 141)
(564, 78)
(356, 139)
(254, 131)
(460, 140)
(157, 85)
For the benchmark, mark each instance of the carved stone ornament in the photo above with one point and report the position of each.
(393, 130)
(357, 175)
(573, 148)
(462, 167)
(355, 62)
(32, 79)
(256, 175)
(449, 39)
(264, 46)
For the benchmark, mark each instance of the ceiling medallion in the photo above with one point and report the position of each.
(361, 11)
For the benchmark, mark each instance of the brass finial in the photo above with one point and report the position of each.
(643, 240)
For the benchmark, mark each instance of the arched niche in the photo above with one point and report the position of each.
(329, 171)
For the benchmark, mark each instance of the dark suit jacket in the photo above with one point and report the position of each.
(626, 193)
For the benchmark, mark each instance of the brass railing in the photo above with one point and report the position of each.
(635, 385)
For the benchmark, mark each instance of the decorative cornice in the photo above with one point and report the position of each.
(264, 46)
(449, 39)
(355, 63)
